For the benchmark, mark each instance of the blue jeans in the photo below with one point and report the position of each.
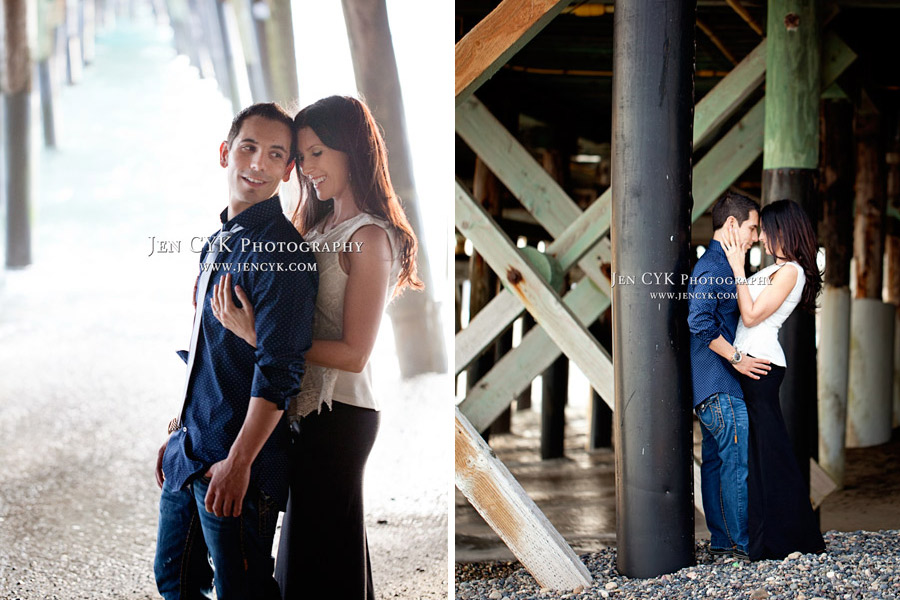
(723, 420)
(193, 544)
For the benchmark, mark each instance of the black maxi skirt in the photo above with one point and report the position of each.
(781, 518)
(323, 552)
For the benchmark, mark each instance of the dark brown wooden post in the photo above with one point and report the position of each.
(555, 380)
(892, 254)
(482, 280)
(870, 386)
(601, 415)
(503, 423)
(868, 239)
(523, 400)
(836, 174)
(17, 134)
(417, 328)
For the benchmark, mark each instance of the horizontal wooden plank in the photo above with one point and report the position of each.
(496, 38)
(492, 490)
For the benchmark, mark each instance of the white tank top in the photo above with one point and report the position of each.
(320, 384)
(761, 340)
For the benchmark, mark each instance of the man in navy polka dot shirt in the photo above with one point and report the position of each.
(715, 363)
(223, 470)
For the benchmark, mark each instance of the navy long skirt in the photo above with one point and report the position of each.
(323, 552)
(781, 518)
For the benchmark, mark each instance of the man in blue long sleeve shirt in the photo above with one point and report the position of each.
(718, 400)
(223, 470)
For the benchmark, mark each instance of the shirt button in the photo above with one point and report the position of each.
(184, 429)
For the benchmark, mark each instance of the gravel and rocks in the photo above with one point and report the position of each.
(859, 564)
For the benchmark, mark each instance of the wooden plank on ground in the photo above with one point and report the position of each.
(820, 484)
(541, 300)
(489, 486)
(493, 41)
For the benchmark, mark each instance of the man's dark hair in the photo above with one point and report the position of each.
(266, 110)
(734, 205)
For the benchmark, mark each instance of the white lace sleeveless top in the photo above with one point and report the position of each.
(322, 385)
(761, 340)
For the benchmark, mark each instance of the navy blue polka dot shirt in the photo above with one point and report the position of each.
(712, 311)
(228, 371)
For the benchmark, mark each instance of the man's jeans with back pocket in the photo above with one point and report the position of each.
(723, 420)
(190, 540)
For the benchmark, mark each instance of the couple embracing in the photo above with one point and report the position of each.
(278, 409)
(756, 502)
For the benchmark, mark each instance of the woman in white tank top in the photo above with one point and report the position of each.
(781, 520)
(347, 203)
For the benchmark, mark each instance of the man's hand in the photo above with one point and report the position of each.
(227, 488)
(160, 476)
(752, 367)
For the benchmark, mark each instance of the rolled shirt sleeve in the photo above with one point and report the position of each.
(284, 305)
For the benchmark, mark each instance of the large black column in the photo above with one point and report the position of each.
(653, 60)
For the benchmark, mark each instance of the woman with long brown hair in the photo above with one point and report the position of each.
(781, 519)
(347, 202)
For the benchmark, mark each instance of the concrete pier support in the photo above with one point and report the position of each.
(834, 328)
(869, 401)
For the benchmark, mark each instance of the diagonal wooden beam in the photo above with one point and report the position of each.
(515, 370)
(489, 486)
(737, 7)
(514, 165)
(722, 101)
(734, 154)
(718, 43)
(836, 57)
(541, 300)
(493, 41)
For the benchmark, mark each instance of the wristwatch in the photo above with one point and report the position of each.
(737, 357)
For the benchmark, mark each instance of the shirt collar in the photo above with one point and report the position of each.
(256, 215)
(716, 246)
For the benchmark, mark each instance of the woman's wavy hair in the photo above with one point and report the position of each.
(346, 124)
(787, 226)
